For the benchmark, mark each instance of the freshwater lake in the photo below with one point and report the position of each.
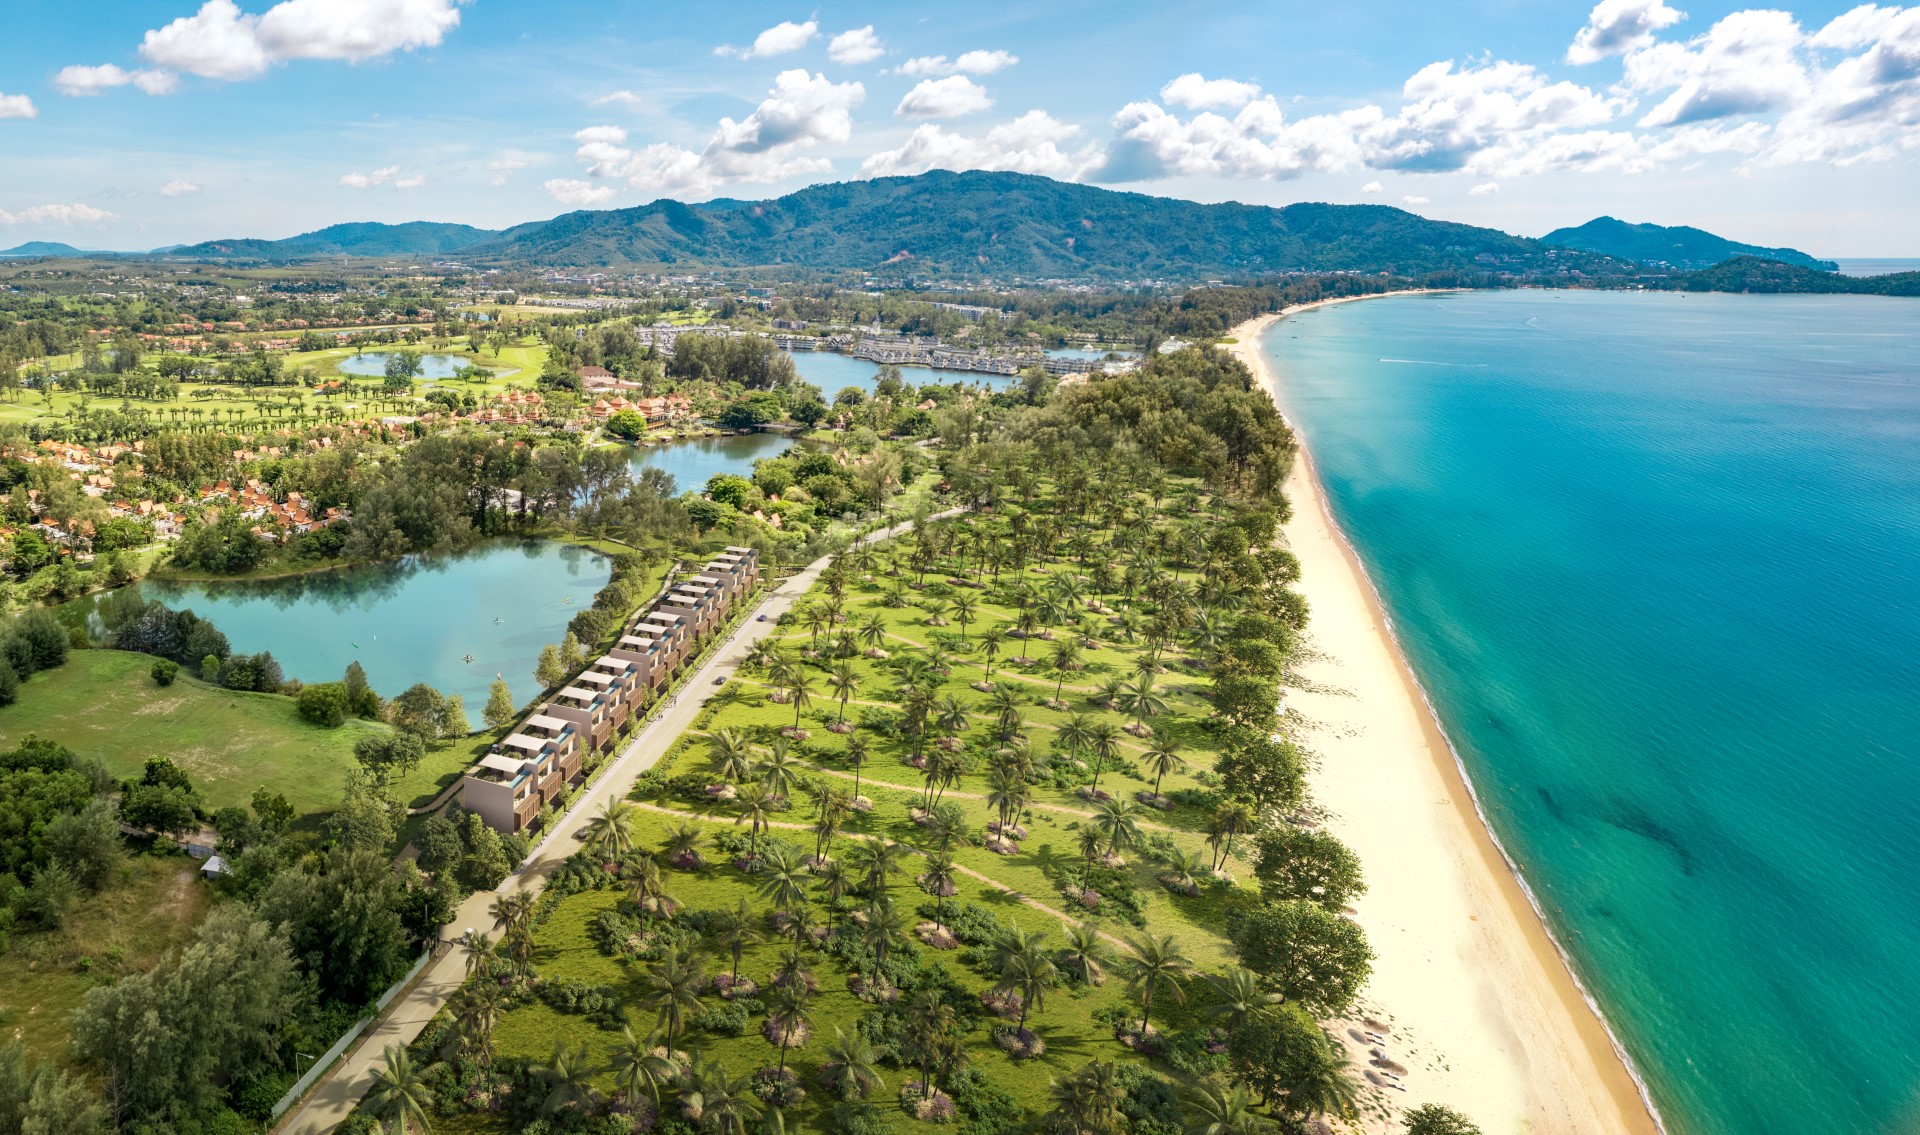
(373, 364)
(411, 620)
(692, 460)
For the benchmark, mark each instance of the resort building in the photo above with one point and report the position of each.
(537, 761)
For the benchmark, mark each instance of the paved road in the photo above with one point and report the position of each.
(334, 1097)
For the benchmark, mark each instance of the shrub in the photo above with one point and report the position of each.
(859, 1118)
(323, 703)
(164, 671)
(726, 1019)
(599, 1002)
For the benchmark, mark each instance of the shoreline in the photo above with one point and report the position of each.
(1485, 1004)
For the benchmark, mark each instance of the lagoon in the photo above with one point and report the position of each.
(692, 460)
(832, 371)
(374, 364)
(1652, 556)
(410, 620)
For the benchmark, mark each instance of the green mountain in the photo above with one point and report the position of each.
(1679, 246)
(366, 238)
(1005, 224)
(42, 248)
(975, 223)
(1754, 274)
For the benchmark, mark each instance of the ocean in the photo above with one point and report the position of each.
(1654, 558)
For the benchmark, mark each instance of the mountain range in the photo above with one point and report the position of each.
(991, 224)
(1680, 246)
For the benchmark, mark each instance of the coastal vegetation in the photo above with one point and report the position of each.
(999, 828)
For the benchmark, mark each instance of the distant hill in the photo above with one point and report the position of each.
(1754, 274)
(42, 248)
(1679, 246)
(974, 223)
(366, 238)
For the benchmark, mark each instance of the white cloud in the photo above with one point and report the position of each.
(855, 46)
(1485, 189)
(800, 113)
(950, 97)
(75, 214)
(1748, 63)
(1615, 27)
(969, 63)
(624, 98)
(1414, 202)
(178, 187)
(1031, 143)
(1197, 92)
(504, 168)
(369, 180)
(1857, 28)
(782, 38)
(414, 182)
(1451, 117)
(222, 42)
(573, 191)
(1372, 187)
(80, 81)
(17, 106)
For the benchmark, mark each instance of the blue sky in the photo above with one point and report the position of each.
(130, 125)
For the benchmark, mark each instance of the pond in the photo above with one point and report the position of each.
(374, 364)
(418, 619)
(693, 460)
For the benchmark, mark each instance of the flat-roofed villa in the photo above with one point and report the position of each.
(548, 751)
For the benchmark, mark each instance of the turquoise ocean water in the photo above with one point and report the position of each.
(1656, 560)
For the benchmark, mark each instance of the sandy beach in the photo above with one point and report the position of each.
(1484, 1012)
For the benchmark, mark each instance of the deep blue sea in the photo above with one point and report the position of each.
(1656, 559)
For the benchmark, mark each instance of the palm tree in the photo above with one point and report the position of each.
(756, 810)
(1142, 701)
(683, 844)
(568, 1079)
(992, 641)
(483, 960)
(1088, 1102)
(844, 682)
(733, 931)
(884, 927)
(1086, 955)
(732, 756)
(608, 831)
(1105, 743)
(1007, 793)
(641, 1064)
(874, 631)
(1184, 870)
(673, 987)
(1026, 968)
(1156, 963)
(965, 610)
(1323, 1087)
(781, 769)
(1064, 659)
(799, 686)
(939, 879)
(1229, 819)
(718, 1101)
(788, 1014)
(833, 884)
(1075, 735)
(514, 915)
(783, 881)
(932, 1037)
(857, 750)
(852, 1069)
(1162, 758)
(1240, 993)
(649, 890)
(400, 1095)
(1119, 822)
(1215, 1109)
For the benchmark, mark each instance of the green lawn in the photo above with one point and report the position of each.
(1020, 890)
(150, 909)
(103, 704)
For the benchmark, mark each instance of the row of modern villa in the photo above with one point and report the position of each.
(548, 751)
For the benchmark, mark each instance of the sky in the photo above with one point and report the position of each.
(128, 124)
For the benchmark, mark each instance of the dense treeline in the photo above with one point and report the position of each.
(1755, 274)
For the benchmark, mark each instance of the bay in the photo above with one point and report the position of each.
(1653, 557)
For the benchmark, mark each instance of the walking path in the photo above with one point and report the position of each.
(333, 1099)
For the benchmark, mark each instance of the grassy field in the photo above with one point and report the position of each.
(1024, 890)
(152, 908)
(103, 704)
